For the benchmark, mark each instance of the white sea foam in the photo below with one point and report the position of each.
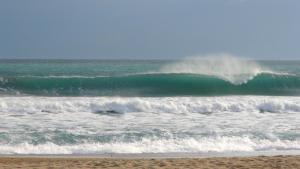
(81, 125)
(224, 66)
(220, 144)
(158, 105)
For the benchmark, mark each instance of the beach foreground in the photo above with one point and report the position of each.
(289, 162)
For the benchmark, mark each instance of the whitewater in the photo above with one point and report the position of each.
(85, 125)
(206, 104)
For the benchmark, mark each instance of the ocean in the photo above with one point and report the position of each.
(193, 105)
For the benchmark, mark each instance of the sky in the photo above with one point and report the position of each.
(149, 29)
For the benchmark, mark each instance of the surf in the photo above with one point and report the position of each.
(210, 75)
(160, 84)
(87, 125)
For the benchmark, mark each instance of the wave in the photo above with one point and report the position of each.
(116, 105)
(159, 84)
(187, 145)
(223, 66)
(197, 76)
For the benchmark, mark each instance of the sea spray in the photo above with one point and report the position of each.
(223, 66)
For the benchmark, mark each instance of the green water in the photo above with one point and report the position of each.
(136, 78)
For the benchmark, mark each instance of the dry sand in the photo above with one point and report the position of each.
(265, 162)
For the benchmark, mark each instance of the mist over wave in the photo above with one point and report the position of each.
(224, 66)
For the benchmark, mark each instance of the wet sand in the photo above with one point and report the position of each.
(257, 162)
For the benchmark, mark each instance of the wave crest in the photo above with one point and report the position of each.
(223, 66)
(116, 105)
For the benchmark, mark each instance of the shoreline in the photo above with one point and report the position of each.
(43, 162)
(161, 155)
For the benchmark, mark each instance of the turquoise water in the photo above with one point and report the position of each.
(182, 106)
(138, 78)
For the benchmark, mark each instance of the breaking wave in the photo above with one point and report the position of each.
(197, 76)
(172, 84)
(188, 145)
(120, 105)
(223, 66)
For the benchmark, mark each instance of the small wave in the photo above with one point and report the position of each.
(114, 105)
(278, 73)
(188, 145)
(61, 77)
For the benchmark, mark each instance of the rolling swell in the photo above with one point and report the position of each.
(171, 84)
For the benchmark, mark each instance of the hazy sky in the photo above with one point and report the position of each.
(261, 29)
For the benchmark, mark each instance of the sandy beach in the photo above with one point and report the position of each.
(258, 162)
